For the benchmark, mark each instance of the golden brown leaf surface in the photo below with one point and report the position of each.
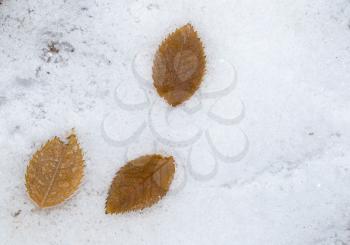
(55, 172)
(140, 183)
(179, 65)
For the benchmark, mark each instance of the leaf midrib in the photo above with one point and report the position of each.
(62, 153)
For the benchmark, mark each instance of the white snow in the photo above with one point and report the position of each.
(275, 146)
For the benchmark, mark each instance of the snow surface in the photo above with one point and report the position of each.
(262, 150)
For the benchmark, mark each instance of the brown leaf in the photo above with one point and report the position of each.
(55, 172)
(179, 65)
(140, 183)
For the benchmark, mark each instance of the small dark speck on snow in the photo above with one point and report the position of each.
(18, 212)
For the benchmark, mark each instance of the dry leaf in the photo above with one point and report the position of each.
(140, 183)
(179, 65)
(55, 172)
